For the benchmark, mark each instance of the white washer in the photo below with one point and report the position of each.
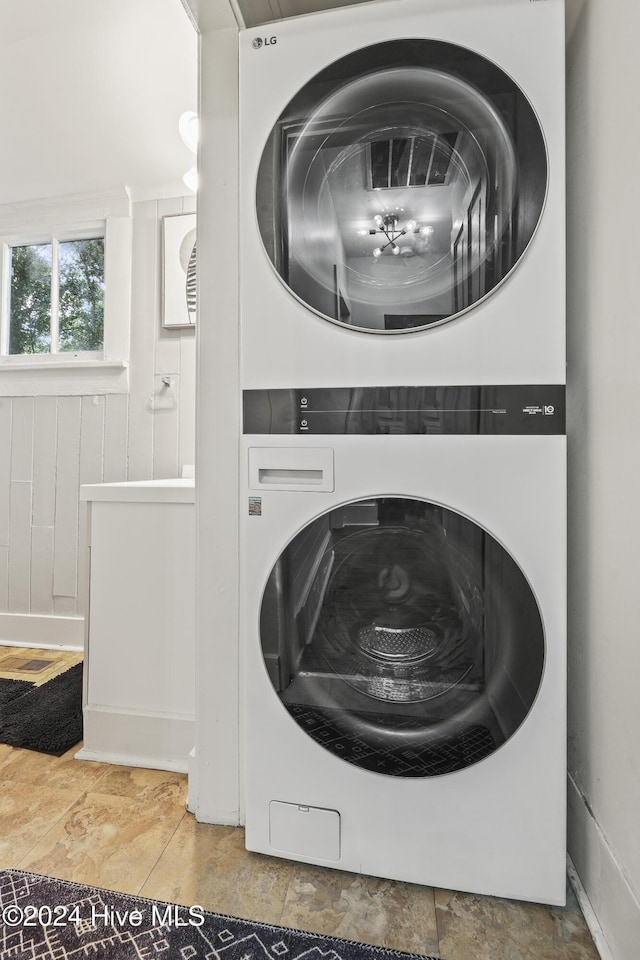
(403, 635)
(402, 195)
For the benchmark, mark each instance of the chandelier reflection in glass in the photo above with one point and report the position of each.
(389, 226)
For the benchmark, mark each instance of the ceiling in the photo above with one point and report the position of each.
(255, 12)
(90, 96)
(213, 14)
(222, 14)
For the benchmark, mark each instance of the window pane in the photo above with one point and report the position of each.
(30, 304)
(81, 307)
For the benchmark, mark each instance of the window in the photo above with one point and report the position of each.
(56, 297)
(65, 295)
(411, 161)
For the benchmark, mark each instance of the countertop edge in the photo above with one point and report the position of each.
(140, 491)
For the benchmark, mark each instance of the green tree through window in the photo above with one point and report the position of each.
(81, 305)
(57, 297)
(30, 313)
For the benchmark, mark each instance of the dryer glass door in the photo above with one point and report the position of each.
(401, 185)
(402, 637)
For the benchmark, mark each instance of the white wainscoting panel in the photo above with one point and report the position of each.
(48, 447)
(22, 439)
(20, 546)
(65, 559)
(92, 414)
(42, 539)
(116, 438)
(4, 576)
(5, 474)
(45, 430)
(186, 432)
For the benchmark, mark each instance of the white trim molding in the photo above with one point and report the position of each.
(157, 741)
(31, 216)
(216, 793)
(70, 378)
(41, 632)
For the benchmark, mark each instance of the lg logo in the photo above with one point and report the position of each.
(258, 42)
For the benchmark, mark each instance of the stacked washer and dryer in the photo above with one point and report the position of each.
(403, 457)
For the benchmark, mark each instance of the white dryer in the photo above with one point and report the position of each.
(403, 633)
(402, 195)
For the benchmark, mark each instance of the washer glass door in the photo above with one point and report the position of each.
(401, 185)
(402, 637)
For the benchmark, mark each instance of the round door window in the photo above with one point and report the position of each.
(402, 637)
(401, 185)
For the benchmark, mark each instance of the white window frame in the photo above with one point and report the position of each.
(89, 231)
(71, 372)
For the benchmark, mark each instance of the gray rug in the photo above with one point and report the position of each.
(47, 718)
(46, 919)
(12, 689)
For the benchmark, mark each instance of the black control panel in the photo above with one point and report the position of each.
(505, 409)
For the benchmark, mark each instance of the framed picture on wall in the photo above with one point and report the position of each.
(179, 270)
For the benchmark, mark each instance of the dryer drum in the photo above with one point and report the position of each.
(401, 185)
(399, 645)
(394, 625)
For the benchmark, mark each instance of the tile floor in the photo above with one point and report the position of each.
(127, 829)
(36, 666)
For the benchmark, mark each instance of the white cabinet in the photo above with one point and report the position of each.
(139, 696)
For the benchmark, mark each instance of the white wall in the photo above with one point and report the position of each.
(49, 445)
(214, 781)
(162, 431)
(604, 462)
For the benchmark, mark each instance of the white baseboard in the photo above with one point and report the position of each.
(177, 766)
(137, 739)
(41, 632)
(192, 770)
(610, 906)
(588, 913)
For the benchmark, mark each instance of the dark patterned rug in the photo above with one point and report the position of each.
(46, 919)
(11, 689)
(47, 718)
